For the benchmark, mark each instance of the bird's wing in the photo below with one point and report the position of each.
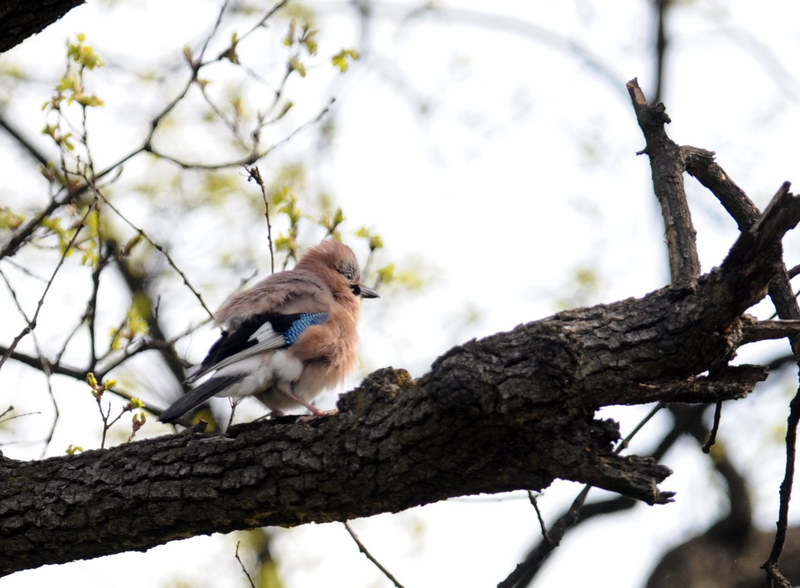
(289, 292)
(256, 334)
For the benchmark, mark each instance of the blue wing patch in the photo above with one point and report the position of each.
(301, 323)
(289, 326)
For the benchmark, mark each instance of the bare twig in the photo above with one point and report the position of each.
(32, 322)
(526, 570)
(712, 435)
(255, 175)
(250, 159)
(370, 557)
(223, 9)
(700, 163)
(534, 500)
(774, 576)
(623, 444)
(160, 249)
(232, 124)
(40, 363)
(23, 141)
(268, 15)
(15, 416)
(662, 7)
(27, 229)
(241, 565)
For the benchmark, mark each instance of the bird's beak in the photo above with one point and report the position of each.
(366, 292)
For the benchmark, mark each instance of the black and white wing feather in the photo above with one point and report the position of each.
(257, 334)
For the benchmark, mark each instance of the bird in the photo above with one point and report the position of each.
(287, 338)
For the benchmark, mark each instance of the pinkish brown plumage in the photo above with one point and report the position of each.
(287, 338)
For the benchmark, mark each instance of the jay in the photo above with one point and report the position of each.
(287, 338)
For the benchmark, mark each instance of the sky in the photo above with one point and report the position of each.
(496, 162)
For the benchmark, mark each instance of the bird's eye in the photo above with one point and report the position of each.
(349, 274)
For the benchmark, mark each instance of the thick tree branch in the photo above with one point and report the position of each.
(38, 362)
(19, 19)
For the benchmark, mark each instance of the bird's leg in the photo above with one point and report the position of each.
(315, 412)
(309, 418)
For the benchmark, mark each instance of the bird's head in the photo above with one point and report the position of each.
(339, 263)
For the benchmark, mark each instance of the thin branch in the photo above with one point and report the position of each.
(36, 362)
(22, 235)
(249, 159)
(23, 141)
(255, 175)
(241, 565)
(712, 435)
(370, 557)
(41, 363)
(32, 322)
(525, 571)
(142, 345)
(534, 500)
(15, 416)
(662, 7)
(524, 29)
(269, 14)
(623, 444)
(700, 163)
(210, 36)
(770, 329)
(161, 250)
(232, 124)
(774, 576)
(667, 173)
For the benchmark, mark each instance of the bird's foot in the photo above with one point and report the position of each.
(317, 414)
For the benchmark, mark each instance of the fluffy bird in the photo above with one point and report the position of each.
(287, 338)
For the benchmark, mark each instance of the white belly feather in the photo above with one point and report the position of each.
(275, 369)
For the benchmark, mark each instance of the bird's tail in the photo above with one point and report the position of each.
(197, 396)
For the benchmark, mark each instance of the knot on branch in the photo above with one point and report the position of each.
(647, 115)
(380, 387)
(658, 114)
(633, 472)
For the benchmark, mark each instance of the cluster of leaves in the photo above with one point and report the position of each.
(135, 325)
(99, 388)
(71, 90)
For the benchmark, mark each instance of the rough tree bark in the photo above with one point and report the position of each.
(19, 19)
